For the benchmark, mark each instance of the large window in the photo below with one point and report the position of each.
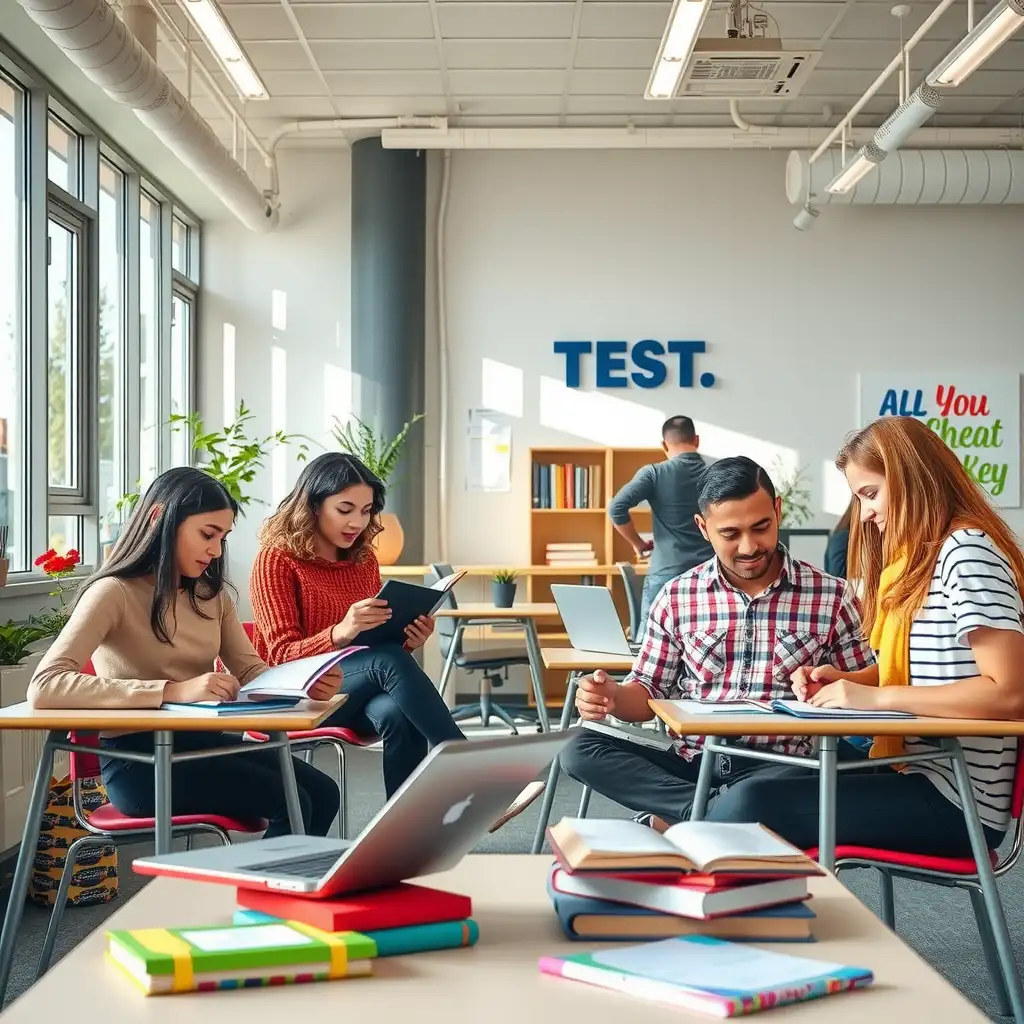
(181, 361)
(13, 378)
(63, 148)
(149, 330)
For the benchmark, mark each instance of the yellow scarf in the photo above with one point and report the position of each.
(890, 636)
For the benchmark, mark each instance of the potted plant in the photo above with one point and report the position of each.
(114, 521)
(5, 562)
(381, 457)
(58, 568)
(17, 661)
(503, 588)
(793, 488)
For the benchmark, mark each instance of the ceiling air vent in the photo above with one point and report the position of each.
(746, 68)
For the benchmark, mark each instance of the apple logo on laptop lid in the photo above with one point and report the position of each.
(456, 811)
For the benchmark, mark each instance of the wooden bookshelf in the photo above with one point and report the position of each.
(591, 525)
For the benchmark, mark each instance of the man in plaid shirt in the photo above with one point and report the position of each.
(737, 626)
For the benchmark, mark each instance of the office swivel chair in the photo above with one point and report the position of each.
(492, 662)
(634, 599)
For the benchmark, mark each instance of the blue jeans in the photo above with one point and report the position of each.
(390, 695)
(653, 582)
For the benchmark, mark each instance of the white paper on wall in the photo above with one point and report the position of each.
(489, 460)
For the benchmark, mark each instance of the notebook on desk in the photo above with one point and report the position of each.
(796, 708)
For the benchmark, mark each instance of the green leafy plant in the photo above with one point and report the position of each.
(375, 451)
(793, 487)
(15, 640)
(505, 576)
(230, 455)
(125, 505)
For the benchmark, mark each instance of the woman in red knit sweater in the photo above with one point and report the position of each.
(313, 588)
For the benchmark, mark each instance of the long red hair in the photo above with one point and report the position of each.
(930, 495)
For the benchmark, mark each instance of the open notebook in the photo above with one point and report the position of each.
(797, 708)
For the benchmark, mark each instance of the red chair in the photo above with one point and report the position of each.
(951, 872)
(107, 826)
(338, 739)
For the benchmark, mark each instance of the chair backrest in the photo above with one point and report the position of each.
(447, 627)
(634, 599)
(249, 628)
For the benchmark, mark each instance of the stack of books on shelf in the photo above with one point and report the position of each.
(620, 880)
(567, 486)
(570, 554)
(278, 939)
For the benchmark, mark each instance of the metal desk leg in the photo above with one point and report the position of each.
(987, 878)
(828, 775)
(291, 789)
(533, 649)
(26, 856)
(553, 771)
(449, 661)
(703, 791)
(163, 744)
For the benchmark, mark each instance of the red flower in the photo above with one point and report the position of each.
(59, 564)
(46, 556)
(73, 557)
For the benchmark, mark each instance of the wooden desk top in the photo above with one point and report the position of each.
(307, 715)
(570, 660)
(497, 980)
(787, 725)
(484, 610)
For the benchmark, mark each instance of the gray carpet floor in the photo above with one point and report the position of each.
(936, 922)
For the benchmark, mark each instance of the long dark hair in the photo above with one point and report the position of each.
(292, 527)
(147, 544)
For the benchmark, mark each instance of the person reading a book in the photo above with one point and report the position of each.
(313, 589)
(943, 577)
(736, 627)
(154, 620)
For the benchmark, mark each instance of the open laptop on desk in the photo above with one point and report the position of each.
(430, 823)
(591, 619)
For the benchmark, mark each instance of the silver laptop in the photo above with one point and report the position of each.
(430, 823)
(591, 619)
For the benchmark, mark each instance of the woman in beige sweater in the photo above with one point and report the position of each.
(153, 621)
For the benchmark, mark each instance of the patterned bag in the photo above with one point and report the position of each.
(95, 878)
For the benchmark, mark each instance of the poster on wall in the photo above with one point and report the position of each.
(976, 414)
(489, 460)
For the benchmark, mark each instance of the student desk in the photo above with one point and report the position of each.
(828, 730)
(163, 725)
(525, 615)
(577, 664)
(497, 980)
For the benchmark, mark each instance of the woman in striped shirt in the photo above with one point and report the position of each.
(942, 581)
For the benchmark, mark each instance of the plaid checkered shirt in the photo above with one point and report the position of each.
(706, 640)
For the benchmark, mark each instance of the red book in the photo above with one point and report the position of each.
(394, 907)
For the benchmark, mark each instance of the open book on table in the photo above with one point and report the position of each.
(796, 708)
(407, 601)
(594, 844)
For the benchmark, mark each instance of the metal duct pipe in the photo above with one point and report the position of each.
(97, 41)
(914, 177)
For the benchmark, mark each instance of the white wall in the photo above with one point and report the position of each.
(699, 245)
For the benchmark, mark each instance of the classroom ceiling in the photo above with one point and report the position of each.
(572, 63)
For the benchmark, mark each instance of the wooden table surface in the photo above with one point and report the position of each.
(496, 981)
(484, 610)
(306, 715)
(788, 725)
(569, 659)
(413, 571)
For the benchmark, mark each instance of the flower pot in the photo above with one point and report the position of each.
(5, 565)
(503, 594)
(389, 542)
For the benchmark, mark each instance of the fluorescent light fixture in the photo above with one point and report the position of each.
(207, 18)
(978, 45)
(684, 24)
(896, 130)
(867, 158)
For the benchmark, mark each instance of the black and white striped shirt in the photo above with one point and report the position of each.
(972, 586)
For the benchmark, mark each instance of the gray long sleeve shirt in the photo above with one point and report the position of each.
(671, 489)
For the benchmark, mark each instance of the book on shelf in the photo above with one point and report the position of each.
(709, 847)
(570, 554)
(708, 975)
(162, 961)
(567, 486)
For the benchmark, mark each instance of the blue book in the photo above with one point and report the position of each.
(221, 708)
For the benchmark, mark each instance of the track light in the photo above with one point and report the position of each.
(804, 220)
(978, 45)
(867, 158)
(684, 25)
(896, 130)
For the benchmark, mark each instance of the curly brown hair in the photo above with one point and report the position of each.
(293, 527)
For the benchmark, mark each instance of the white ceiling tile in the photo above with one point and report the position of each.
(389, 106)
(277, 56)
(957, 103)
(290, 107)
(506, 83)
(609, 83)
(614, 105)
(497, 54)
(258, 21)
(392, 20)
(639, 20)
(796, 19)
(867, 55)
(617, 53)
(985, 82)
(523, 19)
(293, 83)
(874, 21)
(375, 54)
(846, 83)
(501, 106)
(385, 83)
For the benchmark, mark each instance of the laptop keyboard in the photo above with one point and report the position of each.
(313, 866)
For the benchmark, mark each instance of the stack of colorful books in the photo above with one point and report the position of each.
(619, 880)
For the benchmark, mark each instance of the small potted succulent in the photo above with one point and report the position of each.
(503, 588)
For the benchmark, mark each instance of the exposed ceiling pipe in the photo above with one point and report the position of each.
(745, 126)
(98, 42)
(761, 137)
(369, 124)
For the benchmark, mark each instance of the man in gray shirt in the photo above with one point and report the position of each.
(671, 489)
